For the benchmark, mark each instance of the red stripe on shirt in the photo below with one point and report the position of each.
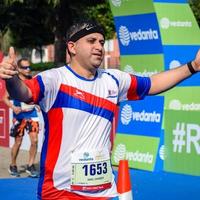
(132, 91)
(88, 98)
(34, 86)
(53, 149)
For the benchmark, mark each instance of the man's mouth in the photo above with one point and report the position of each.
(97, 55)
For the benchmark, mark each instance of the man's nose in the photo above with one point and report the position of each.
(99, 46)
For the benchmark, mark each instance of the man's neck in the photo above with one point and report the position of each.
(83, 71)
(23, 77)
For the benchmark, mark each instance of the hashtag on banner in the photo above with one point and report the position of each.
(179, 137)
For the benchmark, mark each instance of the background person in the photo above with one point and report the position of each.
(25, 118)
(78, 103)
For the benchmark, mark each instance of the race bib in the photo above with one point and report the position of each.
(91, 170)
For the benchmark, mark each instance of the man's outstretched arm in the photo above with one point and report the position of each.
(165, 80)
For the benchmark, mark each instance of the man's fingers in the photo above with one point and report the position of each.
(5, 76)
(7, 66)
(6, 73)
(12, 57)
(12, 54)
(10, 72)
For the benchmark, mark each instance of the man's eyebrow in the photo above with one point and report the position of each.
(92, 36)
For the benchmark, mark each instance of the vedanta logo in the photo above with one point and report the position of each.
(146, 116)
(162, 152)
(126, 36)
(127, 115)
(129, 69)
(137, 156)
(176, 104)
(165, 23)
(116, 3)
(120, 153)
(174, 64)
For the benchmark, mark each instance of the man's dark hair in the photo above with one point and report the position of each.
(20, 61)
(82, 28)
(19, 65)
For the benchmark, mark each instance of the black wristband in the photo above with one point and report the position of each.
(191, 68)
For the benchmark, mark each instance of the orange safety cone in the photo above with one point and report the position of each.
(124, 181)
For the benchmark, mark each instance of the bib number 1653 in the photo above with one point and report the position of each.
(95, 169)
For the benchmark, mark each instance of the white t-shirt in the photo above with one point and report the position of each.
(78, 115)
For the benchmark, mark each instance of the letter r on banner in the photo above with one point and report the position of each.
(193, 138)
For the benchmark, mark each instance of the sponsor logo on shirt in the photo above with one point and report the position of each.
(79, 94)
(112, 94)
(86, 157)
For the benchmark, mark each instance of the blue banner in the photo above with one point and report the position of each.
(137, 35)
(161, 153)
(142, 117)
(179, 55)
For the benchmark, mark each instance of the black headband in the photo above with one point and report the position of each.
(90, 28)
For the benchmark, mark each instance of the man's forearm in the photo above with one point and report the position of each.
(7, 101)
(18, 90)
(168, 79)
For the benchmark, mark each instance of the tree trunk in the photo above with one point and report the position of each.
(41, 54)
(63, 21)
(60, 52)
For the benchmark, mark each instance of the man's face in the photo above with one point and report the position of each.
(89, 50)
(24, 69)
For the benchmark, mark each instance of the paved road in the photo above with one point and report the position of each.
(21, 162)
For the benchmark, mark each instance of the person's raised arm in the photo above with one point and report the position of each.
(15, 87)
(165, 80)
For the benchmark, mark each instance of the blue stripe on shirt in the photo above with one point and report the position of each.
(143, 86)
(43, 156)
(42, 87)
(64, 100)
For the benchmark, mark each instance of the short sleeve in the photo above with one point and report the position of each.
(44, 88)
(131, 87)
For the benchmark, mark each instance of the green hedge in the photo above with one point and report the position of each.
(42, 66)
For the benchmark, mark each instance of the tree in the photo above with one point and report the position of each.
(102, 13)
(195, 6)
(40, 22)
(61, 19)
(30, 28)
(66, 11)
(27, 23)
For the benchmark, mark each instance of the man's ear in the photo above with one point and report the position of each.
(71, 47)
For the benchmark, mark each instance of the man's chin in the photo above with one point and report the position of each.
(97, 64)
(28, 76)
